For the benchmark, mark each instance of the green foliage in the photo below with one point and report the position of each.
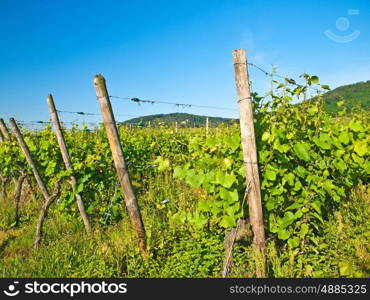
(308, 160)
(341, 250)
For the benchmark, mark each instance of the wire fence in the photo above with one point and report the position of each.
(271, 74)
(82, 113)
(183, 105)
(285, 78)
(140, 101)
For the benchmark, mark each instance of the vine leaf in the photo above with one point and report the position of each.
(301, 149)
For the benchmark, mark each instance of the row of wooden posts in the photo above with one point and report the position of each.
(207, 125)
(249, 154)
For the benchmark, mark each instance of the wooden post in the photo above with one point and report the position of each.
(29, 159)
(4, 180)
(176, 127)
(48, 199)
(119, 161)
(250, 159)
(207, 126)
(4, 130)
(67, 160)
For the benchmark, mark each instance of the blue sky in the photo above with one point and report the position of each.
(176, 51)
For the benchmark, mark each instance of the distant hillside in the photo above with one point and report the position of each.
(353, 95)
(183, 119)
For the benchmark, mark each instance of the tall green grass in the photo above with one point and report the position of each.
(175, 250)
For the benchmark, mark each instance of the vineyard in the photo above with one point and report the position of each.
(191, 190)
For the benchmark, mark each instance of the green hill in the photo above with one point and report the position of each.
(182, 119)
(357, 94)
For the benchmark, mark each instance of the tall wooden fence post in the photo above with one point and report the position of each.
(250, 159)
(119, 161)
(4, 130)
(48, 199)
(207, 125)
(66, 159)
(4, 180)
(29, 159)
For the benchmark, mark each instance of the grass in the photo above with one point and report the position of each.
(175, 250)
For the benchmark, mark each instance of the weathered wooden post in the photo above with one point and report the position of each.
(29, 159)
(119, 161)
(66, 159)
(176, 127)
(48, 199)
(4, 130)
(207, 125)
(250, 159)
(3, 179)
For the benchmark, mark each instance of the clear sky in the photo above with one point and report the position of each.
(176, 51)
